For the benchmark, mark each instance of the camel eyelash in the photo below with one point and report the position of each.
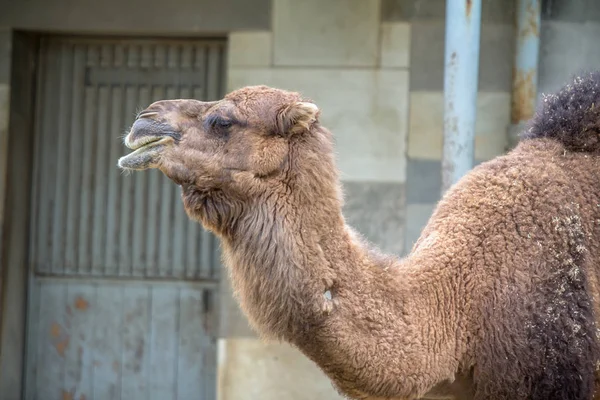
(216, 121)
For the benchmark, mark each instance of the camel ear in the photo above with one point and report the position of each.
(297, 117)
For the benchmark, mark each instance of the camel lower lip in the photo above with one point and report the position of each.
(144, 157)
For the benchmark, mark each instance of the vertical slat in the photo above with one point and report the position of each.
(113, 210)
(53, 339)
(62, 156)
(163, 343)
(173, 53)
(90, 188)
(165, 233)
(106, 55)
(199, 88)
(34, 333)
(127, 192)
(222, 67)
(89, 154)
(187, 57)
(206, 248)
(166, 227)
(213, 92)
(213, 73)
(133, 56)
(79, 355)
(74, 171)
(209, 352)
(178, 240)
(215, 257)
(108, 325)
(146, 55)
(160, 55)
(192, 346)
(119, 55)
(47, 162)
(101, 186)
(141, 214)
(135, 354)
(154, 209)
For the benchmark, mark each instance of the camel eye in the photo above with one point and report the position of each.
(218, 122)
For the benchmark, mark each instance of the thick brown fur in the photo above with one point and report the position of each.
(498, 299)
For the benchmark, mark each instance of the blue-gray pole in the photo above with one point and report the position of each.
(525, 71)
(461, 71)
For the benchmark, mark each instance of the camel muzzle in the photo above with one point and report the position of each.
(147, 138)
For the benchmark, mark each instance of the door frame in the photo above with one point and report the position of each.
(15, 228)
(15, 219)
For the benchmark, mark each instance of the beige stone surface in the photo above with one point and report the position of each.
(395, 45)
(232, 321)
(426, 126)
(250, 49)
(366, 109)
(326, 33)
(493, 121)
(252, 369)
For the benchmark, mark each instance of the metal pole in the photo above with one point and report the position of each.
(463, 25)
(525, 70)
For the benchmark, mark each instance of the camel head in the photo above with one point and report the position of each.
(225, 151)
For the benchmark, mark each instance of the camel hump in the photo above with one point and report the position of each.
(571, 115)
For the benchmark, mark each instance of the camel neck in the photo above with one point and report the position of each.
(287, 270)
(310, 281)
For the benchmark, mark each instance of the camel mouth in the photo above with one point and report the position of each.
(146, 153)
(147, 139)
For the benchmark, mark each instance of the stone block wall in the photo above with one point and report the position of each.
(425, 132)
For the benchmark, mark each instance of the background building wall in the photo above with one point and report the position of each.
(135, 17)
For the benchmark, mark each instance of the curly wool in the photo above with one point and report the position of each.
(570, 116)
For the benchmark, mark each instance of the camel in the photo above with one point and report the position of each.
(498, 298)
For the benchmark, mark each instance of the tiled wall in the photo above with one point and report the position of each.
(425, 134)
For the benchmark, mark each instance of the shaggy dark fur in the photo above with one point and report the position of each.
(571, 116)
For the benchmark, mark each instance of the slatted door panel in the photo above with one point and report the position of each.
(123, 285)
(90, 219)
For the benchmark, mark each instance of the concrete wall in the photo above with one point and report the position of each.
(569, 40)
(173, 17)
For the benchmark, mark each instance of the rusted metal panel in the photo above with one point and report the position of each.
(463, 26)
(92, 219)
(123, 341)
(121, 280)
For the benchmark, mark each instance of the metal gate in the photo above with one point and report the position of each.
(122, 301)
